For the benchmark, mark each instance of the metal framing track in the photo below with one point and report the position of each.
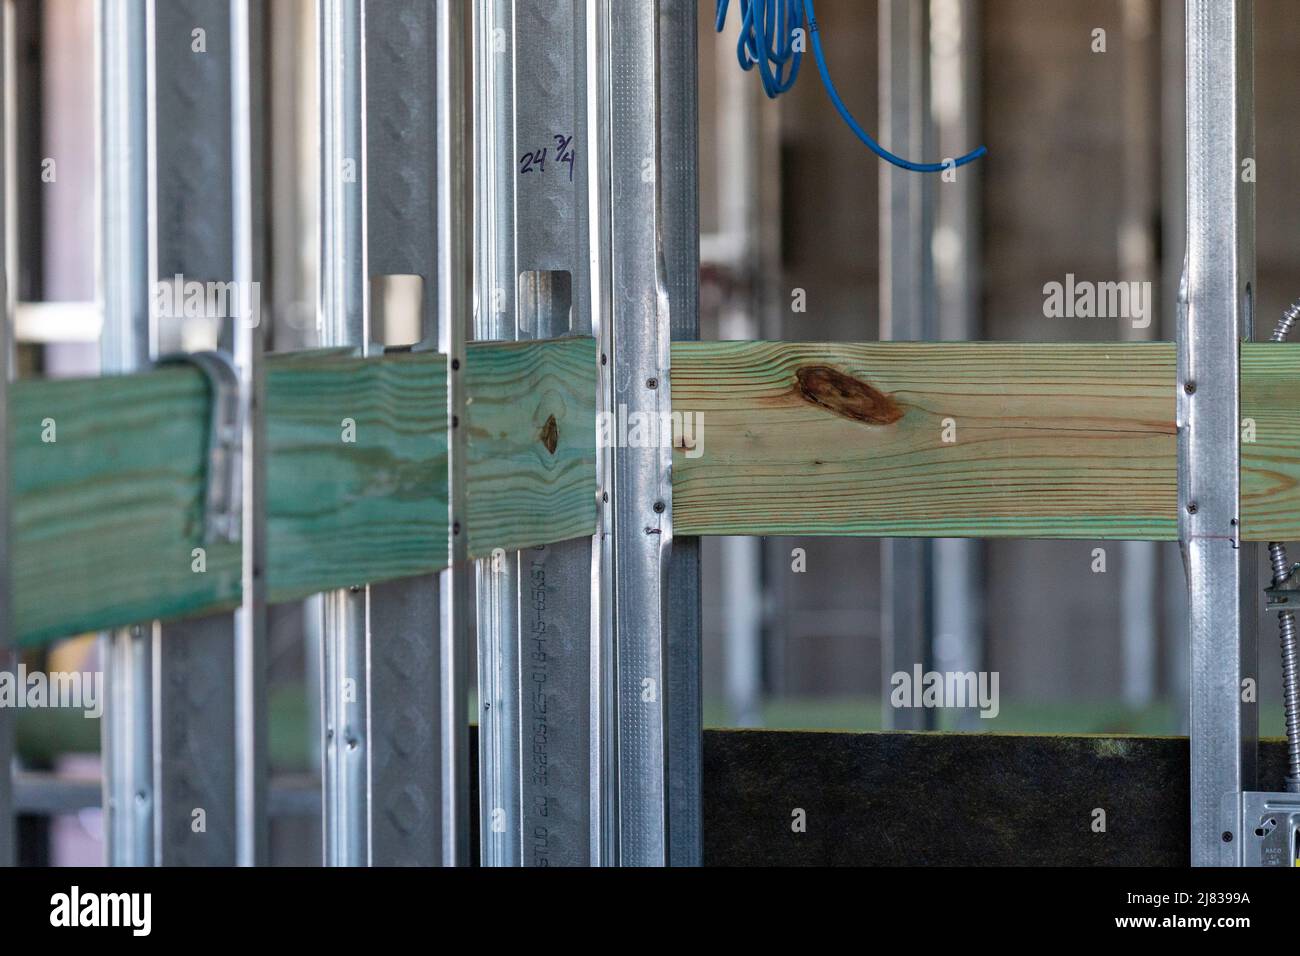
(907, 312)
(390, 798)
(7, 831)
(1215, 316)
(126, 344)
(534, 607)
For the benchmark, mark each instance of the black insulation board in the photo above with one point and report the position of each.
(900, 799)
(885, 799)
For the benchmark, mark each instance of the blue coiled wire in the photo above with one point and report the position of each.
(767, 40)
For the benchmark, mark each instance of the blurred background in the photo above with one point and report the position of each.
(1084, 176)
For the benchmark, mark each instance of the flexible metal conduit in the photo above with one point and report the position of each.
(1286, 619)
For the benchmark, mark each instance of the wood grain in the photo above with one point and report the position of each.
(531, 443)
(107, 516)
(1068, 441)
(343, 513)
(1270, 464)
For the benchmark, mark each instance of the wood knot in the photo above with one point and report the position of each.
(551, 435)
(847, 396)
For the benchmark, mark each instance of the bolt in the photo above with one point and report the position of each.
(1190, 388)
(652, 383)
(659, 507)
(1191, 507)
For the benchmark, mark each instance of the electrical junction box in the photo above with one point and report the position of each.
(1261, 829)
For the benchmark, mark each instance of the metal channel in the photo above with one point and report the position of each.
(406, 723)
(501, 826)
(534, 607)
(395, 700)
(453, 173)
(126, 345)
(907, 312)
(194, 668)
(7, 830)
(680, 245)
(959, 611)
(252, 725)
(344, 306)
(1215, 316)
(632, 320)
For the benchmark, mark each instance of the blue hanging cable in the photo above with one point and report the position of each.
(767, 39)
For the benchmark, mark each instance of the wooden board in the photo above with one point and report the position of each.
(107, 517)
(531, 443)
(343, 513)
(1069, 441)
(926, 439)
(1270, 463)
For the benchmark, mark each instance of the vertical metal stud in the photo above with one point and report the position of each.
(405, 723)
(906, 313)
(345, 322)
(1215, 316)
(633, 324)
(1139, 592)
(208, 681)
(388, 801)
(680, 244)
(127, 344)
(958, 622)
(250, 683)
(455, 284)
(502, 830)
(7, 832)
(534, 607)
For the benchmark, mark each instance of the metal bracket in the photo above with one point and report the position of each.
(1285, 596)
(223, 490)
(1261, 829)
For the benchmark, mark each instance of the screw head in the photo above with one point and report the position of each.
(652, 383)
(1189, 388)
(660, 507)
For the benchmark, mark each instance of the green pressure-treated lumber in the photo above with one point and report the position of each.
(976, 439)
(107, 479)
(356, 470)
(531, 443)
(107, 515)
(963, 439)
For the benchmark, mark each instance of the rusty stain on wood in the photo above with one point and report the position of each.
(846, 396)
(551, 435)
